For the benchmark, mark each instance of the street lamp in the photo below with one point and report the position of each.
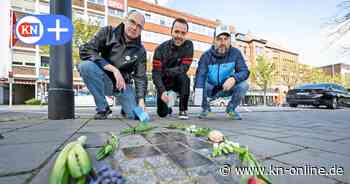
(61, 94)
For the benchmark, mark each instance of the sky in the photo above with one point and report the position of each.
(298, 25)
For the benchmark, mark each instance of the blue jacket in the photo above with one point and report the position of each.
(215, 69)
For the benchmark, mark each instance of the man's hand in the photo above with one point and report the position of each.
(165, 98)
(120, 83)
(229, 83)
(142, 103)
(117, 75)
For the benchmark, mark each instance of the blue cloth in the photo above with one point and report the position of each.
(100, 85)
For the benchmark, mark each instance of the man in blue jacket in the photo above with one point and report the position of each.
(222, 72)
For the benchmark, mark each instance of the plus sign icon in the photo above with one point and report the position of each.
(44, 29)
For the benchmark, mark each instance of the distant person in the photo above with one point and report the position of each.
(222, 72)
(171, 61)
(114, 63)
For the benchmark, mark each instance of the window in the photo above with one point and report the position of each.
(97, 19)
(17, 63)
(30, 64)
(162, 22)
(78, 14)
(147, 16)
(44, 61)
(102, 2)
(115, 12)
(258, 50)
(28, 10)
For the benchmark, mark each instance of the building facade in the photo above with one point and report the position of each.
(30, 67)
(341, 69)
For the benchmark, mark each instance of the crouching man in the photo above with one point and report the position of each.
(222, 72)
(114, 63)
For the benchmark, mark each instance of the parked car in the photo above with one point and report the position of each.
(220, 102)
(84, 98)
(328, 94)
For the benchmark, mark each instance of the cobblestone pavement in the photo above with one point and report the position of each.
(283, 138)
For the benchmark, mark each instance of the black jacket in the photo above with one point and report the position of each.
(169, 61)
(108, 46)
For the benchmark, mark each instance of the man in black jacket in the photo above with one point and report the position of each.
(113, 60)
(171, 62)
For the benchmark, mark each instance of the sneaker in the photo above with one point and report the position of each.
(170, 111)
(103, 114)
(234, 115)
(183, 115)
(203, 114)
(123, 113)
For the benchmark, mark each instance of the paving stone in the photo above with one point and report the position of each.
(94, 139)
(198, 144)
(263, 148)
(189, 159)
(157, 138)
(323, 136)
(318, 159)
(265, 134)
(144, 177)
(104, 126)
(173, 134)
(205, 152)
(140, 151)
(170, 173)
(159, 161)
(132, 141)
(18, 179)
(230, 159)
(207, 180)
(25, 157)
(318, 144)
(172, 147)
(203, 170)
(132, 166)
(19, 124)
(29, 137)
(58, 125)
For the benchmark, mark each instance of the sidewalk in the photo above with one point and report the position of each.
(282, 137)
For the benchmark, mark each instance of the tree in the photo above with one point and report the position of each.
(263, 72)
(316, 76)
(347, 80)
(292, 76)
(83, 32)
(339, 26)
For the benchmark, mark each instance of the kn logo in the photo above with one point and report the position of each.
(29, 29)
(44, 29)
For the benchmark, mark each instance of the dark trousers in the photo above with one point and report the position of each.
(179, 84)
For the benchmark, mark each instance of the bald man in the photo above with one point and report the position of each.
(114, 63)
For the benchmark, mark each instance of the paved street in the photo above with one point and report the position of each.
(279, 137)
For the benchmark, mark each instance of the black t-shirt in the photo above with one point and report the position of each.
(170, 60)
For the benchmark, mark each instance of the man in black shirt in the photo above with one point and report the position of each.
(171, 61)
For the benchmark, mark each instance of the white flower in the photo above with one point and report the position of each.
(235, 144)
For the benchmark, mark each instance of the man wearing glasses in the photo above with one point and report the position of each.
(171, 62)
(114, 63)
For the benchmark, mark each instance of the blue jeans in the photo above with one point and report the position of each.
(237, 93)
(100, 85)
